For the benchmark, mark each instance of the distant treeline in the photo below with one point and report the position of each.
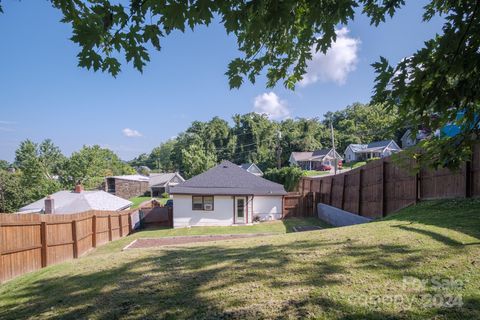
(255, 138)
(40, 169)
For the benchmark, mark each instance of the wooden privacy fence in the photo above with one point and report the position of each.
(32, 241)
(298, 205)
(158, 216)
(382, 187)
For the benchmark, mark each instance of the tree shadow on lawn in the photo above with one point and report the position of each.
(461, 215)
(204, 282)
(436, 236)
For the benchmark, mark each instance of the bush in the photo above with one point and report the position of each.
(165, 195)
(288, 176)
(372, 159)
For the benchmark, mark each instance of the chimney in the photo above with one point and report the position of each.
(49, 205)
(78, 188)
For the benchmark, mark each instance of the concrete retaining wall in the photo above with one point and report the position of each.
(337, 217)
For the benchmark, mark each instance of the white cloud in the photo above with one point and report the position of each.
(336, 64)
(127, 132)
(271, 105)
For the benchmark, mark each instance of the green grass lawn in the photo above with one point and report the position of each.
(353, 165)
(139, 200)
(310, 173)
(353, 272)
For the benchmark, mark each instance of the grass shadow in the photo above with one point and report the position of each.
(461, 215)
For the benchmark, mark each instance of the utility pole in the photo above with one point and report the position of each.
(333, 147)
(279, 150)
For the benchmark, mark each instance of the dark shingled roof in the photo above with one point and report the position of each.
(321, 152)
(379, 144)
(228, 179)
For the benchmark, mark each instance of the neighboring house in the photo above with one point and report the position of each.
(454, 128)
(226, 195)
(67, 202)
(408, 140)
(129, 186)
(252, 168)
(314, 160)
(161, 182)
(378, 149)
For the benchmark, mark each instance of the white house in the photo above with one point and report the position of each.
(408, 140)
(226, 195)
(314, 160)
(160, 183)
(67, 202)
(378, 149)
(252, 168)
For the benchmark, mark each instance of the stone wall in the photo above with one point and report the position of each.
(127, 188)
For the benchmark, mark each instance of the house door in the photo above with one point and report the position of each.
(240, 208)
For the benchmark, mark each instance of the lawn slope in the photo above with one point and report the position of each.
(339, 273)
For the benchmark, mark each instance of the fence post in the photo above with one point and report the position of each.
(120, 225)
(75, 239)
(130, 228)
(468, 179)
(1, 269)
(417, 187)
(43, 239)
(321, 195)
(360, 174)
(331, 191)
(384, 193)
(343, 191)
(94, 231)
(314, 204)
(109, 228)
(170, 216)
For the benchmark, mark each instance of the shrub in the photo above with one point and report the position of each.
(165, 195)
(372, 159)
(288, 176)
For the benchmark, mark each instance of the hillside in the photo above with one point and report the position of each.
(339, 273)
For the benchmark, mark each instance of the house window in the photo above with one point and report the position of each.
(204, 203)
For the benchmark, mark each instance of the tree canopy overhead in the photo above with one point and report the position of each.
(429, 88)
(276, 36)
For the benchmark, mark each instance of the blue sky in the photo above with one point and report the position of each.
(43, 94)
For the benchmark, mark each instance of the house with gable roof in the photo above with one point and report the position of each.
(377, 149)
(226, 195)
(314, 160)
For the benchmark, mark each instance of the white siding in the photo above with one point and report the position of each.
(268, 207)
(350, 155)
(292, 160)
(184, 216)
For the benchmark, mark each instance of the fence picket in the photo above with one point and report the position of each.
(39, 240)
